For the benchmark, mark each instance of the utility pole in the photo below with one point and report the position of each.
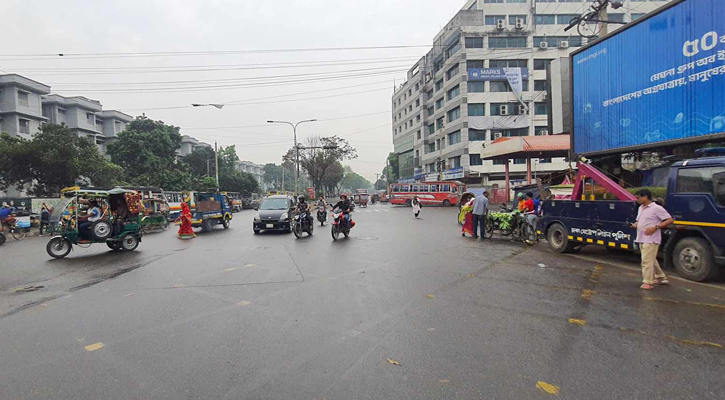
(297, 149)
(216, 165)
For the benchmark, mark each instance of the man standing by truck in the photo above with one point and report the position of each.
(651, 219)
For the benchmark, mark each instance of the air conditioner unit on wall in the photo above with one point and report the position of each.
(504, 110)
(497, 135)
(519, 24)
(543, 45)
(564, 44)
(522, 109)
(500, 24)
(544, 132)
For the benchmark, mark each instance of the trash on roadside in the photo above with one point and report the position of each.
(30, 288)
(687, 290)
(542, 265)
(393, 361)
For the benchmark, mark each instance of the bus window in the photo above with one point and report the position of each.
(424, 188)
(445, 188)
(433, 188)
(405, 188)
(396, 188)
(415, 188)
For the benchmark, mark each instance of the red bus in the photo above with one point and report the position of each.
(443, 193)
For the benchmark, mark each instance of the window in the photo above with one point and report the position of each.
(544, 160)
(570, 1)
(405, 188)
(541, 130)
(410, 108)
(475, 87)
(439, 103)
(431, 147)
(417, 87)
(475, 159)
(493, 1)
(513, 18)
(474, 64)
(439, 123)
(445, 188)
(453, 93)
(540, 85)
(474, 42)
(511, 108)
(508, 63)
(476, 110)
(555, 41)
(706, 180)
(417, 102)
(24, 126)
(499, 86)
(431, 110)
(433, 188)
(423, 188)
(540, 65)
(417, 118)
(454, 137)
(439, 85)
(430, 129)
(90, 118)
(565, 19)
(615, 17)
(438, 144)
(541, 109)
(517, 1)
(455, 162)
(515, 132)
(499, 162)
(429, 94)
(519, 161)
(545, 19)
(23, 99)
(452, 72)
(493, 19)
(506, 42)
(418, 136)
(475, 135)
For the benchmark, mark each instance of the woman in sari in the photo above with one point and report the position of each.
(467, 217)
(185, 230)
(416, 206)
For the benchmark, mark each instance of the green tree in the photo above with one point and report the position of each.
(54, 158)
(354, 181)
(201, 161)
(272, 176)
(391, 172)
(318, 156)
(146, 151)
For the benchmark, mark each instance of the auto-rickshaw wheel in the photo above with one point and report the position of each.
(114, 245)
(129, 243)
(58, 247)
(164, 225)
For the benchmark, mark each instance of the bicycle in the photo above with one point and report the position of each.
(523, 230)
(17, 233)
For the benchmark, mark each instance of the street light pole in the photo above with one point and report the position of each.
(297, 149)
(216, 165)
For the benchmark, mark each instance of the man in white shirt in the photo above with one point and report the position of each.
(85, 221)
(480, 209)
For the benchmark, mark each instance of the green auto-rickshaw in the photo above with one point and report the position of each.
(88, 216)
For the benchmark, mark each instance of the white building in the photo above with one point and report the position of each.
(20, 105)
(451, 105)
(256, 170)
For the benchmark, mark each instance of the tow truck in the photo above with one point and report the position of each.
(694, 245)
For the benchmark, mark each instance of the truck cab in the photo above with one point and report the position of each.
(696, 200)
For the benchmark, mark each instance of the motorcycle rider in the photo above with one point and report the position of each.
(303, 208)
(321, 207)
(344, 205)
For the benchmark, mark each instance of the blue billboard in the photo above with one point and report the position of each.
(660, 80)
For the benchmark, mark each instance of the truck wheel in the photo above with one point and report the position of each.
(225, 223)
(558, 239)
(694, 260)
(206, 225)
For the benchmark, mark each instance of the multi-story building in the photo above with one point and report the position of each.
(189, 144)
(112, 123)
(256, 170)
(20, 105)
(457, 98)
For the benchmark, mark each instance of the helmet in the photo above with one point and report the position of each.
(302, 199)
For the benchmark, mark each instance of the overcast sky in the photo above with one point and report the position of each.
(34, 27)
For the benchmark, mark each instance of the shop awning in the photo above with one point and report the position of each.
(527, 147)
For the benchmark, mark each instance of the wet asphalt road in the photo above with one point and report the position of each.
(236, 315)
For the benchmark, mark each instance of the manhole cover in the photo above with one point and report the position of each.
(364, 238)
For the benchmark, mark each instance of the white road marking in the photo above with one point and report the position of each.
(377, 210)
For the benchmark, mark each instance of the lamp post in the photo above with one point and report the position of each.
(297, 149)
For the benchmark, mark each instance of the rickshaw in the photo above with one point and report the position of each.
(118, 226)
(156, 215)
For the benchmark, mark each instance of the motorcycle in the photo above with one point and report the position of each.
(339, 226)
(301, 223)
(322, 215)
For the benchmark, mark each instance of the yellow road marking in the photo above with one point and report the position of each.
(694, 342)
(444, 381)
(471, 275)
(244, 303)
(230, 269)
(547, 388)
(587, 294)
(393, 361)
(94, 346)
(598, 268)
(577, 321)
(430, 296)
